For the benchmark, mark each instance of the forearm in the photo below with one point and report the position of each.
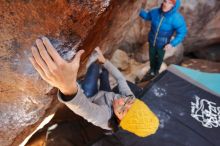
(99, 115)
(178, 38)
(181, 31)
(113, 70)
(122, 83)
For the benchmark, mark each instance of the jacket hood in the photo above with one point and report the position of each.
(173, 10)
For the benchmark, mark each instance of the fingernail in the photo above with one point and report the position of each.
(43, 38)
(81, 51)
(33, 47)
(38, 40)
(30, 59)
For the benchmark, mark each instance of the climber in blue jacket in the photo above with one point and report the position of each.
(165, 22)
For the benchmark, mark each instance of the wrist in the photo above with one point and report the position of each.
(104, 61)
(71, 90)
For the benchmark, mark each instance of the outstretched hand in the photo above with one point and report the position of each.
(101, 57)
(53, 68)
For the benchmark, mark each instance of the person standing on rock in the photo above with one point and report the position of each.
(165, 21)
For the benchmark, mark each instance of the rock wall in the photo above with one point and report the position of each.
(71, 24)
(75, 24)
(203, 19)
(202, 65)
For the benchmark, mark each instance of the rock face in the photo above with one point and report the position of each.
(211, 53)
(203, 19)
(74, 24)
(131, 69)
(120, 59)
(202, 65)
(24, 98)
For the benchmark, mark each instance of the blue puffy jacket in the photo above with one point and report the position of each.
(164, 25)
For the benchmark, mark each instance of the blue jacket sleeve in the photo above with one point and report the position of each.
(181, 31)
(145, 15)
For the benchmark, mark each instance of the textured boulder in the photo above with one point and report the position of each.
(131, 69)
(175, 55)
(24, 98)
(120, 59)
(73, 24)
(202, 65)
(211, 53)
(203, 19)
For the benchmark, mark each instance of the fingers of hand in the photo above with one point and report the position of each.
(101, 57)
(40, 61)
(51, 67)
(97, 49)
(78, 56)
(45, 56)
(167, 47)
(38, 68)
(51, 50)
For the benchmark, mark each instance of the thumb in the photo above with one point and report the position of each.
(78, 56)
(97, 48)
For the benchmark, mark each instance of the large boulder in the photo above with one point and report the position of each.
(25, 99)
(175, 55)
(120, 59)
(211, 53)
(203, 23)
(130, 68)
(202, 65)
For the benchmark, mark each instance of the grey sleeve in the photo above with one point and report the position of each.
(122, 83)
(99, 115)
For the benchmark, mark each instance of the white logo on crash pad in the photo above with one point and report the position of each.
(206, 112)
